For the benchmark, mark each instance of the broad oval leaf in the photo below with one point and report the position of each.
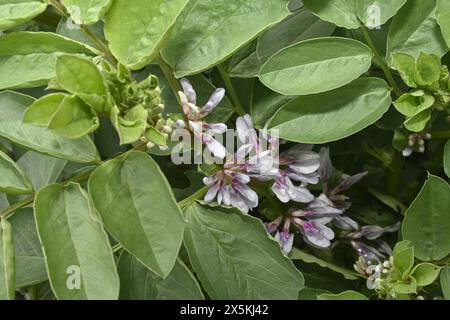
(333, 115)
(234, 257)
(12, 108)
(7, 261)
(87, 11)
(209, 31)
(132, 189)
(316, 65)
(427, 221)
(80, 76)
(295, 28)
(340, 12)
(443, 18)
(77, 252)
(74, 118)
(12, 178)
(139, 283)
(41, 169)
(16, 12)
(148, 23)
(374, 13)
(41, 111)
(414, 29)
(30, 262)
(28, 59)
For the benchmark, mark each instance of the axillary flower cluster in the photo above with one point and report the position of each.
(287, 176)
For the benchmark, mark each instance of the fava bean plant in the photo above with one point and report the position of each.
(224, 149)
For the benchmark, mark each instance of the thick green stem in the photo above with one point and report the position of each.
(440, 135)
(382, 63)
(87, 31)
(16, 206)
(168, 73)
(192, 198)
(231, 91)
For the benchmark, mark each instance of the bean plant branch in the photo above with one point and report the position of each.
(231, 90)
(88, 32)
(382, 62)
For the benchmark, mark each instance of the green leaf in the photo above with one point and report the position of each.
(148, 23)
(3, 201)
(418, 122)
(295, 28)
(81, 77)
(407, 286)
(445, 282)
(425, 274)
(12, 178)
(447, 159)
(7, 262)
(30, 262)
(12, 107)
(234, 257)
(41, 169)
(139, 283)
(131, 127)
(41, 111)
(87, 11)
(340, 12)
(245, 63)
(66, 29)
(403, 257)
(414, 29)
(74, 118)
(428, 220)
(28, 59)
(428, 69)
(406, 66)
(316, 65)
(346, 295)
(443, 18)
(132, 188)
(265, 103)
(15, 12)
(410, 105)
(78, 256)
(333, 115)
(309, 258)
(208, 39)
(374, 13)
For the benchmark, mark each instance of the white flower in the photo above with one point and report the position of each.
(231, 189)
(315, 232)
(203, 131)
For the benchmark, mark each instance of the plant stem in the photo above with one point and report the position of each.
(193, 197)
(382, 63)
(168, 73)
(8, 212)
(440, 135)
(87, 31)
(230, 88)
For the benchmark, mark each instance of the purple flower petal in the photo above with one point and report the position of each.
(215, 147)
(213, 102)
(189, 91)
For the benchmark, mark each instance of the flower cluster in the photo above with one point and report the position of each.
(194, 118)
(287, 174)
